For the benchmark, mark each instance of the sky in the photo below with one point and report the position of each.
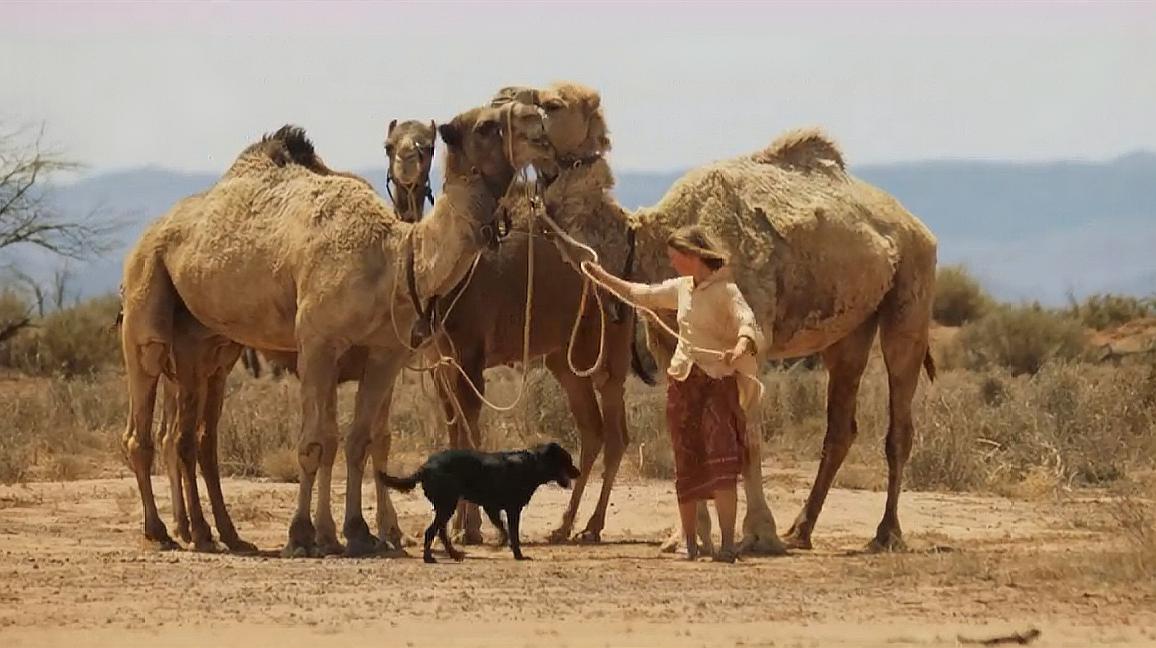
(187, 86)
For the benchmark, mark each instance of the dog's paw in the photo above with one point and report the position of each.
(429, 559)
(522, 557)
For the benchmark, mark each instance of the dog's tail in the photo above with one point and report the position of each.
(403, 484)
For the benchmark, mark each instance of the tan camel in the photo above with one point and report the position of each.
(825, 260)
(410, 149)
(276, 256)
(208, 359)
(485, 326)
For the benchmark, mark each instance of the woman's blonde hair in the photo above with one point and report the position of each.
(694, 240)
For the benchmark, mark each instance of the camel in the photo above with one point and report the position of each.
(485, 326)
(279, 257)
(207, 359)
(826, 261)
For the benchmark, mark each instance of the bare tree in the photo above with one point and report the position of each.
(27, 215)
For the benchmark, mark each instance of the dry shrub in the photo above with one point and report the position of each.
(1103, 311)
(77, 341)
(281, 465)
(646, 422)
(70, 467)
(860, 477)
(1078, 423)
(1021, 339)
(260, 417)
(49, 423)
(959, 298)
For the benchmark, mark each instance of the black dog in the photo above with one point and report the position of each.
(495, 481)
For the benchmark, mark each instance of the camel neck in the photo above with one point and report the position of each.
(446, 241)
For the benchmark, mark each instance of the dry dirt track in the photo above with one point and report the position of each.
(71, 574)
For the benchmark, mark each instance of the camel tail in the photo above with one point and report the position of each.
(403, 484)
(636, 362)
(929, 365)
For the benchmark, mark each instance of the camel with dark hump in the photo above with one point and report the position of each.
(485, 326)
(278, 257)
(825, 260)
(206, 360)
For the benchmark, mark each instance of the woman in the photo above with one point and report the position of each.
(712, 376)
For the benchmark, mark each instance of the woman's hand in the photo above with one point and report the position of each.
(742, 347)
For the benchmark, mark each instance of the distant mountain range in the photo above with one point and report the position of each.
(1029, 231)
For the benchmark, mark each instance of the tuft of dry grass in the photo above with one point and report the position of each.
(1070, 424)
(281, 465)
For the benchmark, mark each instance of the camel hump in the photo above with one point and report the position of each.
(803, 147)
(290, 144)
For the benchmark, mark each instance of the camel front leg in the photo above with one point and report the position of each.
(615, 440)
(465, 431)
(583, 404)
(759, 532)
(316, 449)
(370, 422)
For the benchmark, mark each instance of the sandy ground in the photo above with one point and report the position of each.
(72, 574)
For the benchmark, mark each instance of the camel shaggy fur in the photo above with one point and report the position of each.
(188, 425)
(277, 256)
(825, 260)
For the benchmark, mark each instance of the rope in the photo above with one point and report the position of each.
(451, 359)
(585, 268)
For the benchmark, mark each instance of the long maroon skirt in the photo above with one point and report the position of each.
(708, 432)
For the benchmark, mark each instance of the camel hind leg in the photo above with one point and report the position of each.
(207, 451)
(190, 400)
(845, 361)
(904, 338)
(167, 435)
(146, 335)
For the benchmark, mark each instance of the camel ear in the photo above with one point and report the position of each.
(451, 134)
(554, 103)
(392, 125)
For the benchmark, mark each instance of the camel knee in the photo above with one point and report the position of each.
(152, 356)
(309, 456)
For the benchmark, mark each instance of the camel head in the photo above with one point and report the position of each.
(573, 120)
(490, 145)
(409, 145)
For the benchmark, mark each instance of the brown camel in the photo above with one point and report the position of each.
(208, 359)
(279, 257)
(825, 260)
(485, 326)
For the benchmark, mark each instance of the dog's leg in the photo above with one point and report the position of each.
(514, 516)
(443, 533)
(443, 511)
(430, 532)
(495, 516)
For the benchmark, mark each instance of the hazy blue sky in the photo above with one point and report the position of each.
(187, 86)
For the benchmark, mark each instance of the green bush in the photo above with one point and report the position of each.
(1103, 311)
(958, 297)
(1021, 339)
(75, 341)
